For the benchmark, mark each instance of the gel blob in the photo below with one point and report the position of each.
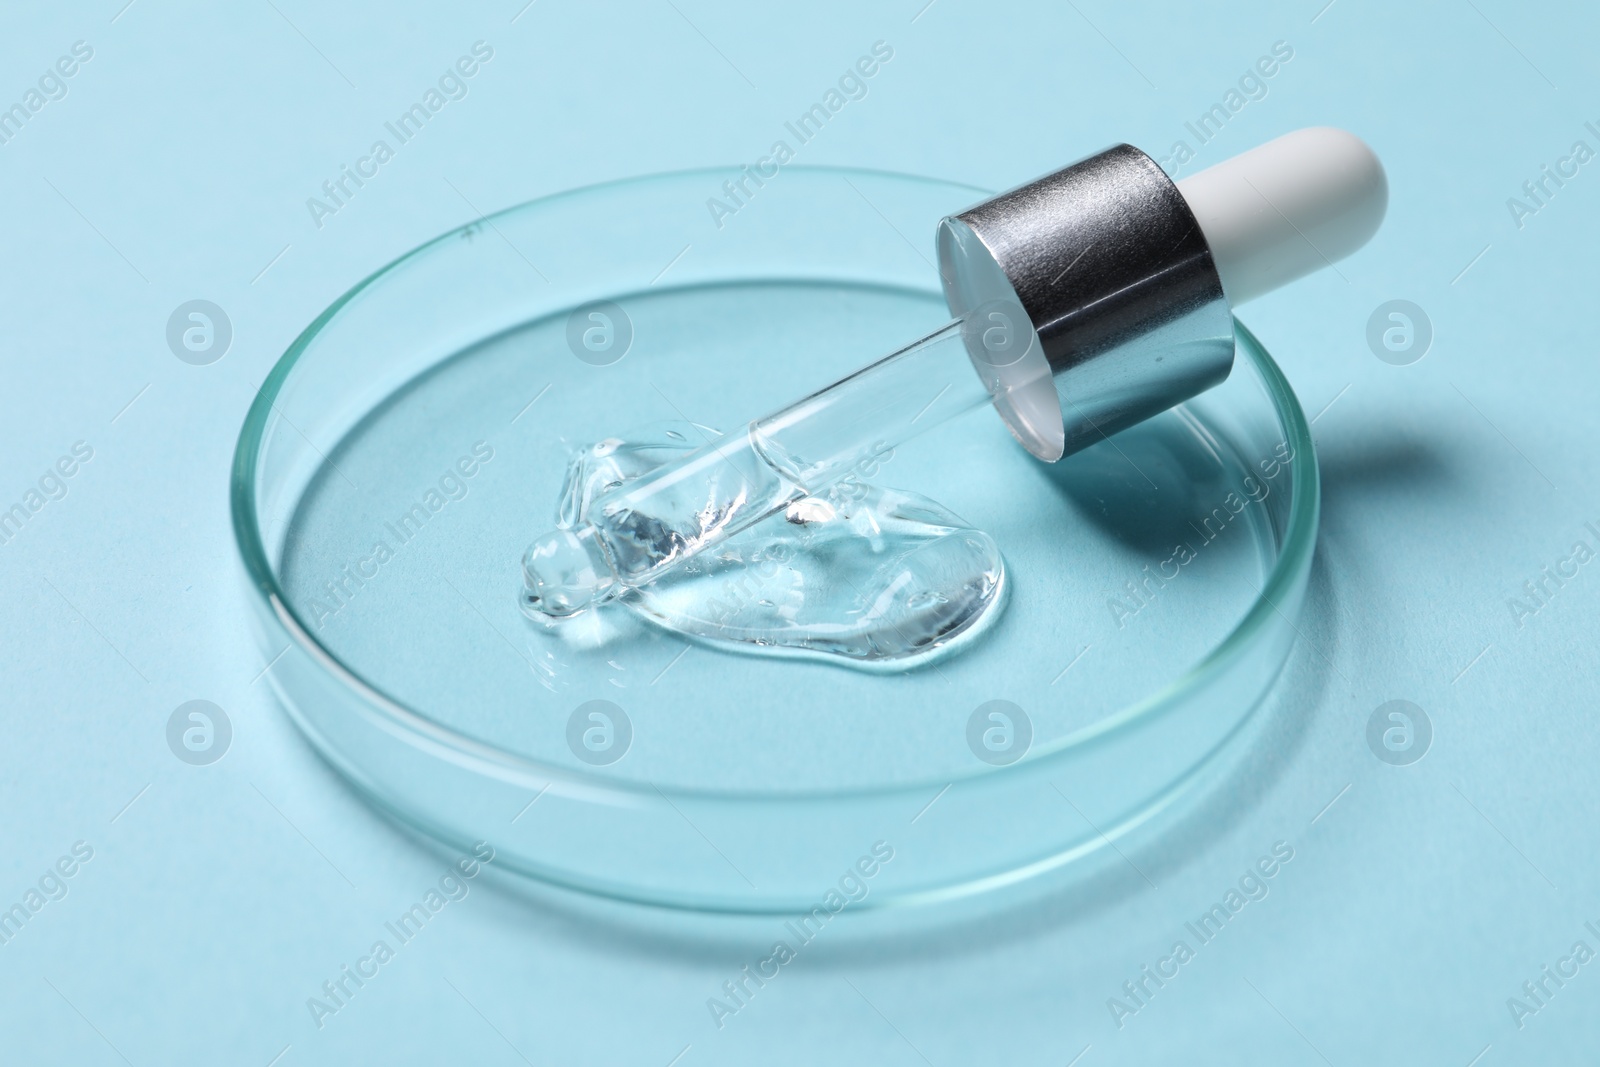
(872, 577)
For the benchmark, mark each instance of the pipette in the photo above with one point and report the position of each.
(1086, 301)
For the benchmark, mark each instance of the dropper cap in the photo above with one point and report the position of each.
(1129, 279)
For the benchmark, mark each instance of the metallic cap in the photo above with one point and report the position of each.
(1112, 270)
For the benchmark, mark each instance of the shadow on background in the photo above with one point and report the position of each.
(1356, 470)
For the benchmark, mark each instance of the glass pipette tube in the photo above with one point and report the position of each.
(637, 532)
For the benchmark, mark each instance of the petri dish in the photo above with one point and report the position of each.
(413, 439)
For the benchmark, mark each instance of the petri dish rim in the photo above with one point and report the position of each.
(1288, 572)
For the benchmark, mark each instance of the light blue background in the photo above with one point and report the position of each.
(178, 167)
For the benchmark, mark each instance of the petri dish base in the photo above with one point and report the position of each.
(414, 438)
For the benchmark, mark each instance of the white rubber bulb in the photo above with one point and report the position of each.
(1294, 205)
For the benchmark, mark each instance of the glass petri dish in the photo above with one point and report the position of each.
(413, 439)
